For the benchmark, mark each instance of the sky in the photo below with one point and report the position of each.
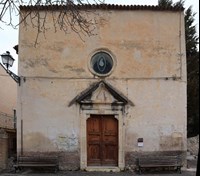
(9, 36)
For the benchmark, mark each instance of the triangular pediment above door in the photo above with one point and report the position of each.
(101, 93)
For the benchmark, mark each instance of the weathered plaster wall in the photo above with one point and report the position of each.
(146, 44)
(150, 70)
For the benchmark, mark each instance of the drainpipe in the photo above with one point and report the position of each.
(22, 137)
(15, 119)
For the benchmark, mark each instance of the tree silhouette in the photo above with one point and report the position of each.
(165, 3)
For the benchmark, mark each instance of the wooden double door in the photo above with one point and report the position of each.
(102, 140)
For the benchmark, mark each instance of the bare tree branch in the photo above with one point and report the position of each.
(69, 18)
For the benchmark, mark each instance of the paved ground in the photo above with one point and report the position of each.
(78, 173)
(188, 172)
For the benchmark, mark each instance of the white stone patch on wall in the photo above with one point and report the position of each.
(67, 143)
(137, 55)
(166, 130)
(65, 53)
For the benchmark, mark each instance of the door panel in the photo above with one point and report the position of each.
(110, 141)
(102, 138)
(94, 141)
(110, 155)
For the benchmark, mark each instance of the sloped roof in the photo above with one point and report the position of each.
(103, 7)
(88, 92)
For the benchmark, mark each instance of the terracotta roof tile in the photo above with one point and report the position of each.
(104, 7)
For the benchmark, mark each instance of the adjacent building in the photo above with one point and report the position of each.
(8, 102)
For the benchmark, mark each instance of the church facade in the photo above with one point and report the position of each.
(101, 101)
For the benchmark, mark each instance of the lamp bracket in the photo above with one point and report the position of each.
(15, 77)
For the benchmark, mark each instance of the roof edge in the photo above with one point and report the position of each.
(102, 7)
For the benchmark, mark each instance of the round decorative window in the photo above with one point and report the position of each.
(102, 63)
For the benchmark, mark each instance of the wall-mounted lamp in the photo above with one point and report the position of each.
(8, 61)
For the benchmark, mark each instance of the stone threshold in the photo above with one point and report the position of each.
(102, 169)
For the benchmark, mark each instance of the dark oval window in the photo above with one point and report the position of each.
(102, 63)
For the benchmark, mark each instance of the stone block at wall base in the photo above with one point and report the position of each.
(69, 161)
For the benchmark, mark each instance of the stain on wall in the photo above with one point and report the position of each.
(171, 142)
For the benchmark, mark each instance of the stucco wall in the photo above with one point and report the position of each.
(8, 100)
(8, 93)
(146, 44)
(150, 69)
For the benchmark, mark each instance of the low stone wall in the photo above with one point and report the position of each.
(6, 121)
(193, 145)
(3, 150)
